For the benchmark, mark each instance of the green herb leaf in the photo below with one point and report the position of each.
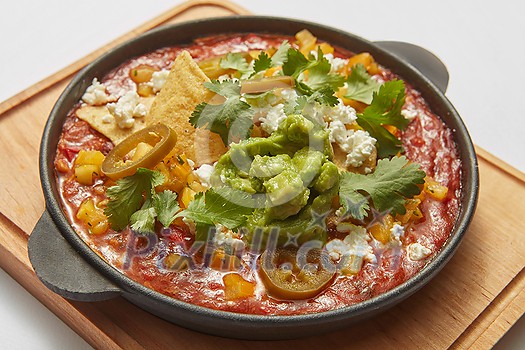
(143, 220)
(231, 119)
(319, 75)
(262, 62)
(223, 205)
(385, 109)
(236, 61)
(166, 206)
(281, 55)
(321, 84)
(393, 181)
(361, 86)
(127, 196)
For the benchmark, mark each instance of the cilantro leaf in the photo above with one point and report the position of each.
(262, 62)
(226, 88)
(231, 119)
(166, 206)
(281, 55)
(321, 84)
(143, 220)
(388, 186)
(236, 61)
(127, 196)
(223, 206)
(296, 63)
(361, 86)
(319, 75)
(385, 109)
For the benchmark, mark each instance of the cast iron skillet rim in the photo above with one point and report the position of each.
(382, 301)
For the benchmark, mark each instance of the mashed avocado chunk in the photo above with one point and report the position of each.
(290, 174)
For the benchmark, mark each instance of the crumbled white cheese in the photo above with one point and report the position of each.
(336, 248)
(353, 250)
(396, 232)
(417, 251)
(358, 145)
(275, 115)
(341, 112)
(288, 95)
(191, 163)
(126, 108)
(225, 237)
(158, 79)
(336, 63)
(409, 113)
(96, 94)
(204, 173)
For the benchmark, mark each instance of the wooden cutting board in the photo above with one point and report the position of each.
(477, 297)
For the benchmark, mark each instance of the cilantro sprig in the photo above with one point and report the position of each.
(321, 84)
(385, 109)
(237, 62)
(393, 181)
(231, 119)
(361, 86)
(223, 205)
(133, 201)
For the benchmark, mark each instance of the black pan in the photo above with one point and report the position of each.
(66, 265)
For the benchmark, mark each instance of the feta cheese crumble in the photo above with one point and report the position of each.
(417, 251)
(158, 79)
(96, 94)
(353, 250)
(127, 108)
(396, 232)
(275, 115)
(204, 173)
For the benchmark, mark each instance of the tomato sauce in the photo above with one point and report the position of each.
(426, 141)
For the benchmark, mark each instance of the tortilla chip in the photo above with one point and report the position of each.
(183, 91)
(94, 114)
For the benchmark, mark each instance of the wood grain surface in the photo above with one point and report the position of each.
(470, 304)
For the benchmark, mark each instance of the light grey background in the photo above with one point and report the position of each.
(481, 43)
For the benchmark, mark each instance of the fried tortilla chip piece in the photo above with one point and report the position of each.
(94, 116)
(183, 91)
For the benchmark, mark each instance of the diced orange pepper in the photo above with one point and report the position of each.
(236, 287)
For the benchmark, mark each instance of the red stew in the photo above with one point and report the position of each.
(426, 141)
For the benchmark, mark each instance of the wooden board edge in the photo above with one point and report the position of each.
(500, 164)
(55, 78)
(497, 318)
(15, 261)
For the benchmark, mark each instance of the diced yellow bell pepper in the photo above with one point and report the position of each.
(93, 217)
(236, 287)
(381, 231)
(326, 48)
(141, 150)
(84, 173)
(435, 189)
(306, 41)
(176, 262)
(89, 157)
(187, 196)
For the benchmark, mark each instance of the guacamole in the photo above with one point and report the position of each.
(291, 176)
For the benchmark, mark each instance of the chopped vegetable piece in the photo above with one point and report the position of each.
(159, 136)
(286, 278)
(93, 217)
(236, 287)
(266, 84)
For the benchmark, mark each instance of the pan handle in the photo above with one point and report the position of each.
(422, 59)
(62, 269)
